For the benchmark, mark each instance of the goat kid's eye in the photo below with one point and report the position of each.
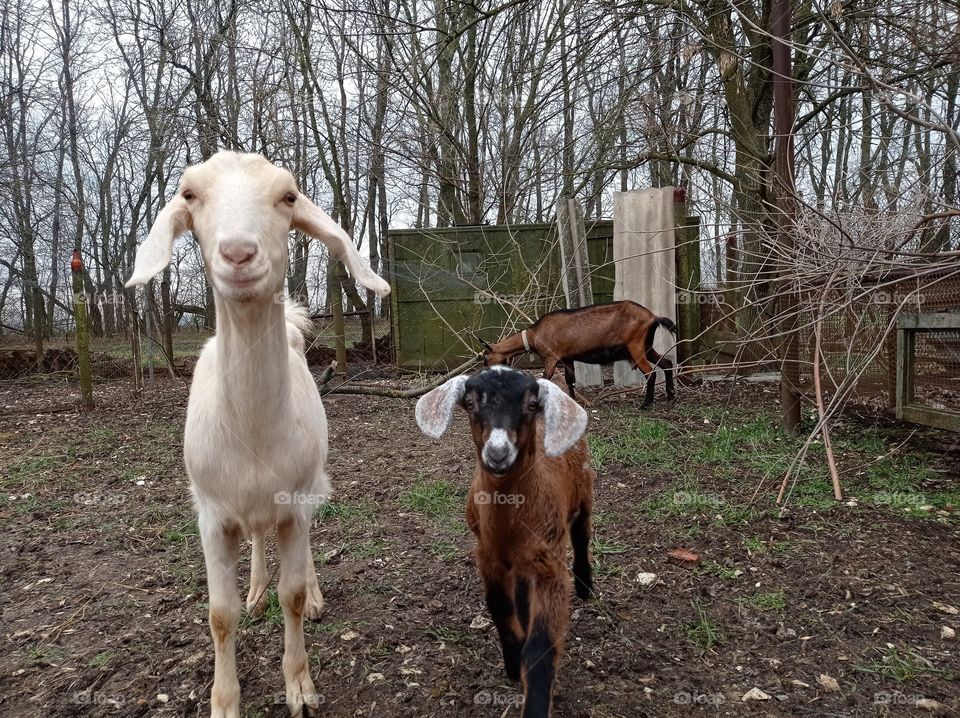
(188, 195)
(290, 198)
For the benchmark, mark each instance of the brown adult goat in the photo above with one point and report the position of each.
(532, 489)
(598, 334)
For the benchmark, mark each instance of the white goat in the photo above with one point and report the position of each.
(255, 442)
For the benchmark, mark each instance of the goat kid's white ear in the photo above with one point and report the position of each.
(564, 420)
(310, 219)
(157, 250)
(435, 409)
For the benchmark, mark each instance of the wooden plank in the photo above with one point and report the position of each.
(938, 418)
(932, 321)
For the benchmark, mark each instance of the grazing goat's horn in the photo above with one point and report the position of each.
(485, 344)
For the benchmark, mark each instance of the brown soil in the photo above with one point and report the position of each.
(103, 599)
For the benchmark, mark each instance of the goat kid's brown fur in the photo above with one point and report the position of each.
(528, 540)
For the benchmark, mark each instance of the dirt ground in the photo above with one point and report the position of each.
(828, 609)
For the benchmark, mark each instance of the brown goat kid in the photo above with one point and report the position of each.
(598, 334)
(532, 493)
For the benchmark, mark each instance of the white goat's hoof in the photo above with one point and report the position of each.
(313, 606)
(225, 703)
(257, 602)
(300, 693)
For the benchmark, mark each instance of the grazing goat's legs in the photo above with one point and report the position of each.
(221, 551)
(661, 361)
(541, 650)
(638, 352)
(259, 578)
(503, 611)
(580, 530)
(570, 374)
(314, 604)
(291, 537)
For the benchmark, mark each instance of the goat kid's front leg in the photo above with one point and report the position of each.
(504, 613)
(294, 586)
(221, 551)
(550, 606)
(580, 532)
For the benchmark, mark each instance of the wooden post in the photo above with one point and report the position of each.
(336, 308)
(575, 274)
(83, 330)
(687, 260)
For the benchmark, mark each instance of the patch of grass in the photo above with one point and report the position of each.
(684, 500)
(643, 442)
(185, 533)
(903, 474)
(45, 653)
(754, 544)
(814, 493)
(26, 467)
(766, 601)
(369, 548)
(444, 549)
(328, 627)
(101, 659)
(901, 666)
(361, 510)
(273, 614)
(718, 570)
(433, 498)
(702, 632)
(449, 635)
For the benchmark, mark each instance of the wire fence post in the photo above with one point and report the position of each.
(83, 330)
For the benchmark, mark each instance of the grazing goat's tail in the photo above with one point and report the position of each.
(298, 324)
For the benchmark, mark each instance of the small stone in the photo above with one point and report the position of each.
(828, 682)
(349, 636)
(480, 622)
(784, 633)
(947, 633)
(375, 677)
(755, 694)
(163, 697)
(646, 579)
(928, 704)
(946, 608)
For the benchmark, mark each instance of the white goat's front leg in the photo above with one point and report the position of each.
(292, 535)
(259, 578)
(221, 550)
(314, 606)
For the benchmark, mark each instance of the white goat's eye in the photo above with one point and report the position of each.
(290, 197)
(188, 195)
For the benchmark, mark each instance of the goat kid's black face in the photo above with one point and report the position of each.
(502, 405)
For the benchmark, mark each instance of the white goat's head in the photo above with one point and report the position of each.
(241, 209)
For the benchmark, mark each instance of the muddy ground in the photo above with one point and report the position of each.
(103, 600)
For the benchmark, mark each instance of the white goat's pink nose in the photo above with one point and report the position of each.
(238, 251)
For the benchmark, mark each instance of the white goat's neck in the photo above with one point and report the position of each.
(252, 356)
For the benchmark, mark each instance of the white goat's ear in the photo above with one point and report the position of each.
(157, 250)
(564, 420)
(435, 409)
(310, 219)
